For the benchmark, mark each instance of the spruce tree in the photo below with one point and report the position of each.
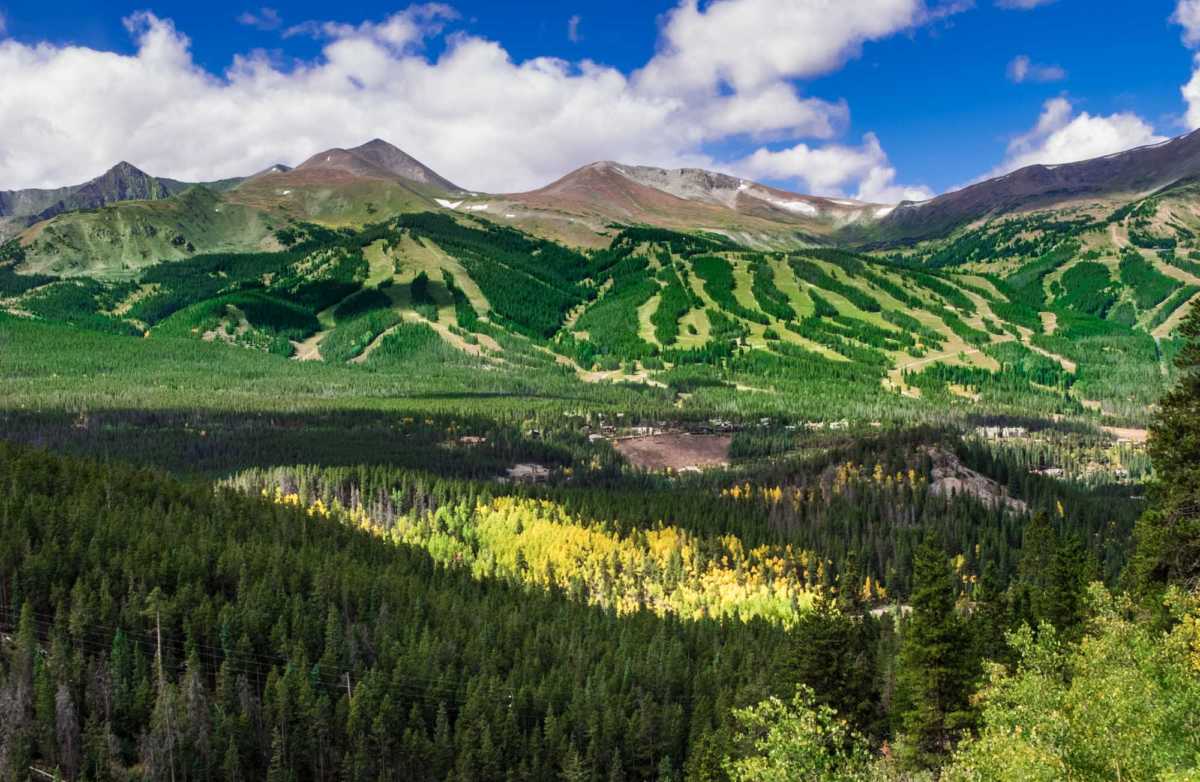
(833, 653)
(1168, 535)
(935, 665)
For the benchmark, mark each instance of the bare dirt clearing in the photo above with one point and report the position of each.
(1128, 435)
(676, 451)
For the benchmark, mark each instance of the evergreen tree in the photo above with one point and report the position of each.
(992, 617)
(16, 701)
(935, 666)
(1054, 574)
(1168, 535)
(573, 767)
(97, 752)
(1070, 574)
(833, 653)
(1039, 549)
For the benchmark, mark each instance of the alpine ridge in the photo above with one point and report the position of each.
(122, 182)
(1122, 176)
(362, 184)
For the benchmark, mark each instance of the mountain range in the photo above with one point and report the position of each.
(634, 272)
(126, 218)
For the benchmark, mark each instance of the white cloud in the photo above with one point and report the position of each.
(773, 109)
(1022, 5)
(834, 168)
(747, 44)
(573, 29)
(67, 113)
(1022, 69)
(1062, 136)
(262, 19)
(1191, 96)
(1187, 15)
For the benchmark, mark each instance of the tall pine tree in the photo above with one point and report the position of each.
(1168, 535)
(934, 680)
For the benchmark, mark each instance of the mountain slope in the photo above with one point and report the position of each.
(122, 182)
(1114, 178)
(1067, 332)
(126, 219)
(369, 183)
(124, 236)
(347, 186)
(683, 199)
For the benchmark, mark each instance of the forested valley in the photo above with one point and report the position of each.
(399, 501)
(831, 618)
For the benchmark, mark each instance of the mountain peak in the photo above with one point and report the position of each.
(396, 161)
(125, 169)
(377, 143)
(378, 158)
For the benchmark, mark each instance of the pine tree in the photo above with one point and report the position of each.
(1039, 550)
(616, 771)
(573, 767)
(1168, 535)
(278, 771)
(97, 752)
(833, 653)
(992, 617)
(231, 765)
(934, 677)
(1070, 573)
(16, 701)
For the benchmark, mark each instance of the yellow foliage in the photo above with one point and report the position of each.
(665, 569)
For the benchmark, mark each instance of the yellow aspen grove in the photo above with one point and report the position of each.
(664, 570)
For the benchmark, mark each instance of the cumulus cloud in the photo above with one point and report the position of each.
(1187, 15)
(1191, 96)
(833, 168)
(573, 29)
(772, 109)
(262, 19)
(746, 44)
(1062, 136)
(1022, 69)
(472, 112)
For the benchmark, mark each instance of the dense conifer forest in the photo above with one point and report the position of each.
(370, 506)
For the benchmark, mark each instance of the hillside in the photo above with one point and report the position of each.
(119, 238)
(123, 182)
(369, 183)
(1107, 181)
(681, 199)
(126, 220)
(691, 320)
(356, 251)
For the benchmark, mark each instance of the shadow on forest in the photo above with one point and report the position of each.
(209, 444)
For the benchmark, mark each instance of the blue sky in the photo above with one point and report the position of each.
(930, 95)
